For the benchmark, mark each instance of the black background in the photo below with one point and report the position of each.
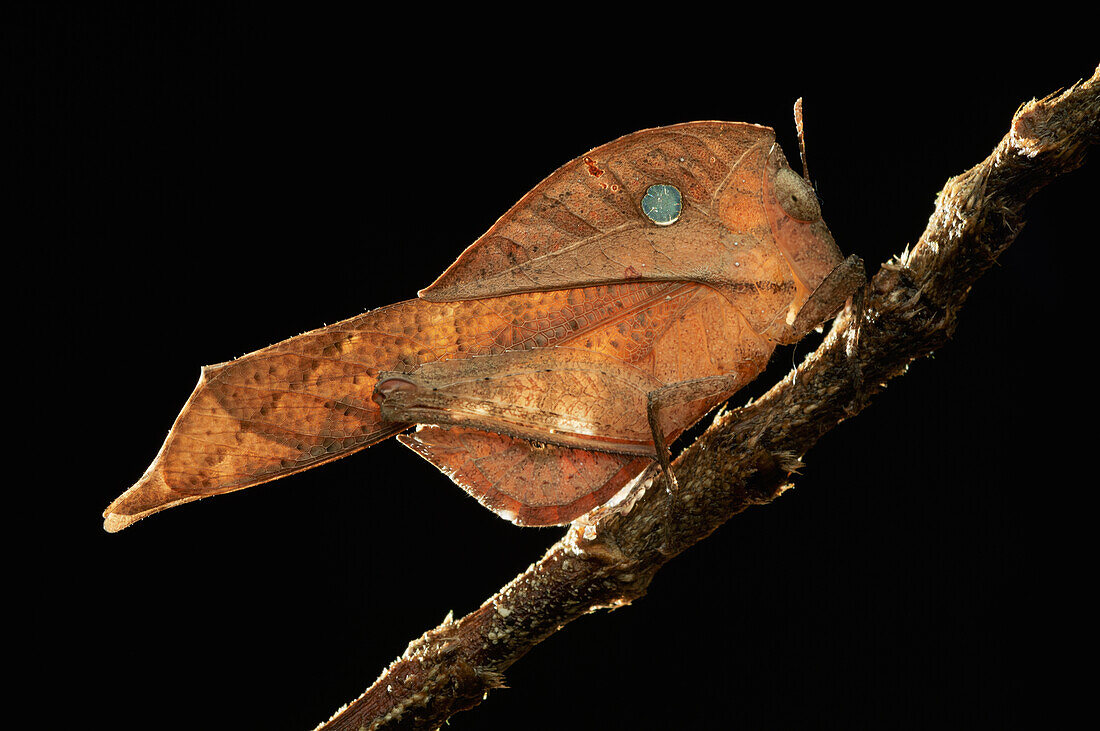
(211, 183)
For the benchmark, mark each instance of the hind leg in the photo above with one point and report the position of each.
(712, 388)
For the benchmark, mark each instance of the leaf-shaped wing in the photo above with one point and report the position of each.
(308, 400)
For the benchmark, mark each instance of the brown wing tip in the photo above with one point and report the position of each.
(113, 522)
(149, 495)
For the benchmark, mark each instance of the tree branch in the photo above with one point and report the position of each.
(908, 310)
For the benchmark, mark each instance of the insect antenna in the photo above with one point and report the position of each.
(801, 139)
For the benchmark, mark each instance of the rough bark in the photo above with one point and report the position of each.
(909, 309)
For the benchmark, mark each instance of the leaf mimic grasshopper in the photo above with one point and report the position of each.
(624, 297)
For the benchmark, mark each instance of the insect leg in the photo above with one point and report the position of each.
(825, 301)
(712, 388)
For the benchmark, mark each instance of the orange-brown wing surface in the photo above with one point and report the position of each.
(307, 400)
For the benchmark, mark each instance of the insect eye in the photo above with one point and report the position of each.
(662, 204)
(795, 196)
